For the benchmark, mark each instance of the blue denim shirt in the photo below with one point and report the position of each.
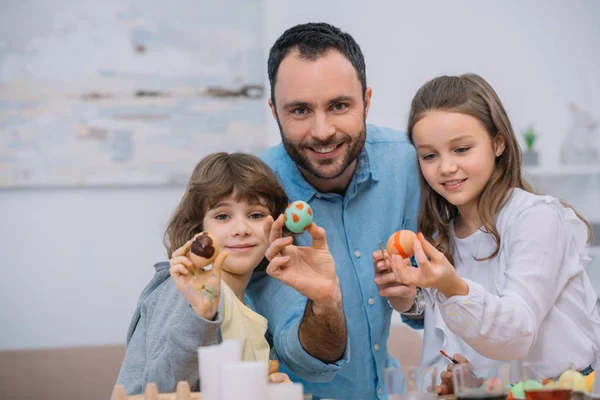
(382, 198)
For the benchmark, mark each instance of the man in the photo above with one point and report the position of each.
(362, 184)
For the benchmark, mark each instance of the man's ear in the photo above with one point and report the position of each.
(273, 109)
(368, 94)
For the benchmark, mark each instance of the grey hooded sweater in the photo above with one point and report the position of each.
(164, 336)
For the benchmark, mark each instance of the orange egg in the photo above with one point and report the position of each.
(590, 381)
(203, 250)
(401, 243)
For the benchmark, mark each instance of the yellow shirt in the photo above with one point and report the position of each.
(240, 322)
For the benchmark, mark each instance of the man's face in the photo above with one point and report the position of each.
(321, 113)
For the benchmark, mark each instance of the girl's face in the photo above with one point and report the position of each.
(238, 227)
(456, 156)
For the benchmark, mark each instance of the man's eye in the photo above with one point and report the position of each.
(340, 106)
(300, 111)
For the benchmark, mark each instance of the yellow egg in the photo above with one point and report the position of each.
(572, 379)
(552, 385)
(590, 381)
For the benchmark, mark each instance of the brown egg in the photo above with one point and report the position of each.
(204, 249)
(401, 243)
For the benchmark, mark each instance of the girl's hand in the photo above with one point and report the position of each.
(434, 270)
(446, 387)
(200, 287)
(400, 296)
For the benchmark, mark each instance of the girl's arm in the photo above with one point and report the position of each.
(505, 326)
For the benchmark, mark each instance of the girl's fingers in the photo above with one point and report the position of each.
(400, 270)
(428, 248)
(421, 257)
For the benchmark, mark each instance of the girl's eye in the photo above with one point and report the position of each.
(462, 149)
(221, 217)
(428, 157)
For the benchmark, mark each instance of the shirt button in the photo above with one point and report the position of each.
(357, 253)
(371, 301)
(376, 347)
(379, 390)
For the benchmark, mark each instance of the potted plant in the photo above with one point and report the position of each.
(530, 156)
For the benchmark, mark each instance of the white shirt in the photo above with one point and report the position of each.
(533, 301)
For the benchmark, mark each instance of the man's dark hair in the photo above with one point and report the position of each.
(313, 40)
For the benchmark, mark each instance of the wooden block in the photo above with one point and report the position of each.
(119, 393)
(183, 391)
(151, 392)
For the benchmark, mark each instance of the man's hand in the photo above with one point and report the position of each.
(308, 269)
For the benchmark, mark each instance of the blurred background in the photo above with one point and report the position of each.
(105, 107)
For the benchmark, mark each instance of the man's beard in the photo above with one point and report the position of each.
(351, 154)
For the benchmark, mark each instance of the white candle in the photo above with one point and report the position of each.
(210, 360)
(244, 380)
(285, 391)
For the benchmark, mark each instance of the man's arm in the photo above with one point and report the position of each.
(323, 332)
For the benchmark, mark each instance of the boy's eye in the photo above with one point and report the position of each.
(257, 215)
(428, 157)
(462, 149)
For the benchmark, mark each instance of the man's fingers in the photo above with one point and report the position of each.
(319, 237)
(267, 228)
(276, 228)
(395, 291)
(274, 268)
(384, 278)
(278, 246)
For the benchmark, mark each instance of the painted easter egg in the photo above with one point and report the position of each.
(519, 388)
(493, 385)
(590, 381)
(298, 216)
(401, 243)
(203, 250)
(572, 379)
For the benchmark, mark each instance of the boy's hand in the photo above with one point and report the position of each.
(200, 287)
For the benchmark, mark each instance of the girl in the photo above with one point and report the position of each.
(504, 266)
(229, 195)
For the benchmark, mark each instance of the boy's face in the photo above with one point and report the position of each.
(238, 228)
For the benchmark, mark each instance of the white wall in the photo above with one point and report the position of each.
(75, 261)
